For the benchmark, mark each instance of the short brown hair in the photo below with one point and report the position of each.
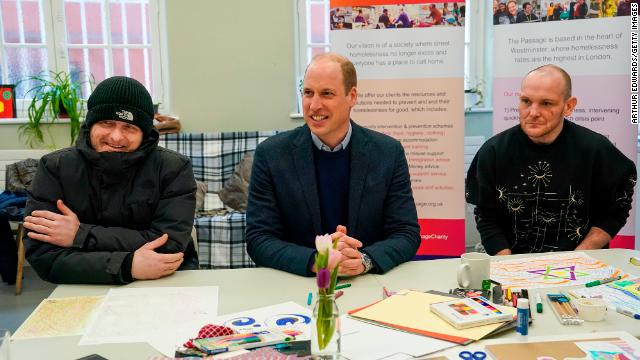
(565, 76)
(349, 76)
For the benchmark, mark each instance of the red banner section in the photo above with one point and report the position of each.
(338, 3)
(441, 237)
(623, 242)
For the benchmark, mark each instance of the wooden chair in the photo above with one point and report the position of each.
(20, 243)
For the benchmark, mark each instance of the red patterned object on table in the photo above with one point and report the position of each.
(209, 331)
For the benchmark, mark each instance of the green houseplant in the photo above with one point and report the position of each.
(54, 95)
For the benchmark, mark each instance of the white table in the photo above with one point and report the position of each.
(243, 289)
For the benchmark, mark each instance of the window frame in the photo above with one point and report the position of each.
(55, 41)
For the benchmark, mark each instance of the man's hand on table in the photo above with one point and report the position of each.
(351, 262)
(148, 264)
(53, 228)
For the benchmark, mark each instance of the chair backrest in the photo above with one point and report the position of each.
(12, 156)
(214, 155)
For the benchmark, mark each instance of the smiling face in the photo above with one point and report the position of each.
(544, 104)
(512, 7)
(115, 136)
(325, 103)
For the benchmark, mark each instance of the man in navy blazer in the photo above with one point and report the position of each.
(331, 176)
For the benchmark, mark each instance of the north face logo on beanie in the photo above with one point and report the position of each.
(125, 115)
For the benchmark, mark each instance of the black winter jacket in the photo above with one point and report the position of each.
(123, 200)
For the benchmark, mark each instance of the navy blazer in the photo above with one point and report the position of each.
(283, 212)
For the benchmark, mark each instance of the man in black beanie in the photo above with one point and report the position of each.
(116, 207)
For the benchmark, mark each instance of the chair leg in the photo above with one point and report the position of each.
(19, 236)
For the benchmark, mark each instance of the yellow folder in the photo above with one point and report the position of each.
(409, 311)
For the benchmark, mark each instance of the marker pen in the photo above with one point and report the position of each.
(628, 313)
(538, 303)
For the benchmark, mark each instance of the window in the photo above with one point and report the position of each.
(312, 22)
(100, 38)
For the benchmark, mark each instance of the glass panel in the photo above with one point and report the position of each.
(118, 62)
(76, 61)
(23, 63)
(149, 85)
(134, 24)
(77, 68)
(115, 12)
(136, 64)
(147, 40)
(31, 15)
(97, 64)
(317, 23)
(316, 51)
(10, 21)
(93, 16)
(73, 21)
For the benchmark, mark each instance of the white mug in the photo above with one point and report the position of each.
(474, 267)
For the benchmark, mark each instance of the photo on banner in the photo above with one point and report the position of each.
(410, 62)
(590, 40)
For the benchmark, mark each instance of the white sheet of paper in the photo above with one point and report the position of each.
(164, 317)
(282, 316)
(356, 342)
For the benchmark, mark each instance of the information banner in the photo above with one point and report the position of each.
(591, 41)
(410, 63)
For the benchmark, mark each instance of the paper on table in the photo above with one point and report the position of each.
(607, 349)
(282, 316)
(410, 309)
(58, 317)
(613, 296)
(357, 344)
(552, 270)
(164, 317)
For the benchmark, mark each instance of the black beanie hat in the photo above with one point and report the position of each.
(121, 98)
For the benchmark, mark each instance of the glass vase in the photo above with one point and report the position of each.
(325, 328)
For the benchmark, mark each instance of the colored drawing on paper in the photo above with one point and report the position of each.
(280, 321)
(551, 270)
(612, 294)
(7, 101)
(287, 317)
(58, 317)
(629, 287)
(608, 350)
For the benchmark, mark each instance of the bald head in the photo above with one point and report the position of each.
(349, 77)
(550, 69)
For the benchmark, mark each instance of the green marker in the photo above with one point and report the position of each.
(343, 286)
(603, 281)
(486, 284)
(538, 303)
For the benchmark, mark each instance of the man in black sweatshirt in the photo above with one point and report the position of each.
(548, 184)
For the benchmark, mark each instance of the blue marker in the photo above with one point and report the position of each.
(309, 298)
(628, 313)
(522, 322)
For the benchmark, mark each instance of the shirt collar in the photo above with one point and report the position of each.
(323, 147)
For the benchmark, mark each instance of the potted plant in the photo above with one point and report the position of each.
(54, 96)
(474, 96)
